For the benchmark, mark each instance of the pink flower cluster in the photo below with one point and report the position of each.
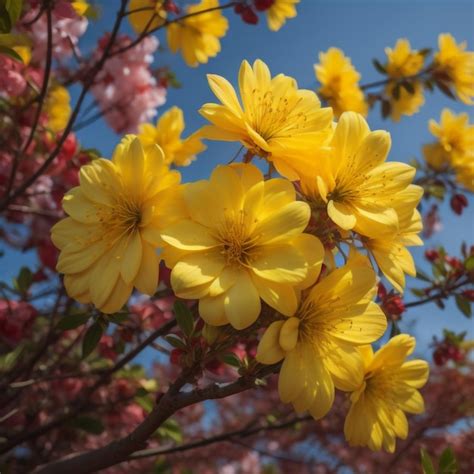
(126, 90)
(16, 319)
(68, 27)
(12, 80)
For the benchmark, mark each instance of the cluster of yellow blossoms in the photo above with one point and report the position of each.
(241, 241)
(197, 35)
(454, 148)
(452, 69)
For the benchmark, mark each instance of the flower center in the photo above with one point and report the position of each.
(124, 219)
(274, 116)
(236, 243)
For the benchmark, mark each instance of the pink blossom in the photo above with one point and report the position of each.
(125, 89)
(68, 27)
(16, 319)
(12, 82)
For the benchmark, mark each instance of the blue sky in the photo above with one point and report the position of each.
(362, 28)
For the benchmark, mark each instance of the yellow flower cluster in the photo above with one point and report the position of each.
(167, 135)
(199, 28)
(251, 248)
(454, 148)
(456, 65)
(340, 83)
(403, 63)
(58, 108)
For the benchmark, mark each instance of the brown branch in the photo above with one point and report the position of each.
(227, 436)
(166, 23)
(71, 412)
(172, 401)
(384, 82)
(85, 88)
(41, 98)
(443, 294)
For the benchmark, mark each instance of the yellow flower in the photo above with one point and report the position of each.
(388, 388)
(455, 146)
(456, 65)
(278, 121)
(405, 103)
(464, 168)
(402, 61)
(389, 250)
(318, 344)
(81, 7)
(58, 108)
(340, 83)
(198, 36)
(241, 240)
(279, 11)
(167, 134)
(454, 133)
(354, 181)
(108, 241)
(149, 15)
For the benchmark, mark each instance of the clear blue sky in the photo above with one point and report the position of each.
(362, 28)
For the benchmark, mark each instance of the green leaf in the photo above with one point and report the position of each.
(463, 305)
(445, 89)
(73, 321)
(11, 53)
(421, 275)
(447, 462)
(14, 8)
(426, 463)
(469, 263)
(91, 339)
(379, 66)
(5, 21)
(24, 279)
(395, 330)
(145, 402)
(117, 318)
(184, 317)
(231, 359)
(170, 429)
(175, 341)
(88, 424)
(386, 108)
(408, 86)
(396, 91)
(7, 361)
(429, 85)
(425, 51)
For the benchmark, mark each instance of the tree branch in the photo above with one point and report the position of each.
(172, 401)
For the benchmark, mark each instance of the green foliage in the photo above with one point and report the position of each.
(24, 280)
(184, 318)
(11, 53)
(463, 305)
(10, 11)
(92, 338)
(88, 424)
(447, 463)
(170, 430)
(73, 321)
(7, 361)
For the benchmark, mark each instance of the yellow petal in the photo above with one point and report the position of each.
(132, 257)
(224, 92)
(279, 296)
(242, 302)
(188, 235)
(146, 279)
(269, 350)
(289, 334)
(212, 310)
(342, 215)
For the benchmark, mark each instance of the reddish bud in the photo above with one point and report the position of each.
(439, 357)
(432, 255)
(175, 356)
(239, 8)
(458, 203)
(468, 294)
(262, 5)
(249, 16)
(171, 7)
